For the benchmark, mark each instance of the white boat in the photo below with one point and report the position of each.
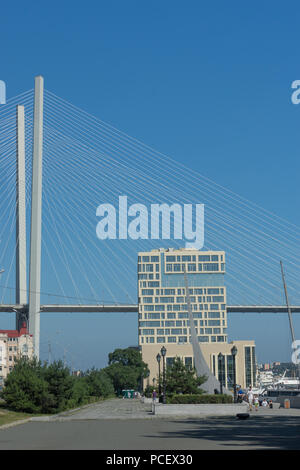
(287, 381)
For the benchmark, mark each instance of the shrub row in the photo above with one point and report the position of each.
(200, 399)
(35, 388)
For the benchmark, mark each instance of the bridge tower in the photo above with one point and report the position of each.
(21, 281)
(32, 311)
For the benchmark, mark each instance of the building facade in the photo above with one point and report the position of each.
(14, 344)
(163, 315)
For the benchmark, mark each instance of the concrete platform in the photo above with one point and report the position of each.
(200, 410)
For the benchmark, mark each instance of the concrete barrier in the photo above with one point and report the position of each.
(192, 410)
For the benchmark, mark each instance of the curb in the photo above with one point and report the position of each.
(15, 423)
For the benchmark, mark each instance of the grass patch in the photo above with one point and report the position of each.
(7, 417)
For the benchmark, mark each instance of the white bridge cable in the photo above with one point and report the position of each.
(46, 188)
(287, 246)
(84, 116)
(61, 169)
(79, 150)
(264, 260)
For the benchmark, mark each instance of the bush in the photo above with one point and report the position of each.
(199, 399)
(25, 388)
(98, 383)
(35, 388)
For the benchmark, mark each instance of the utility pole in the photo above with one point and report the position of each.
(64, 357)
(49, 352)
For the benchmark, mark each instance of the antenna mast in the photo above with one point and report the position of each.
(290, 317)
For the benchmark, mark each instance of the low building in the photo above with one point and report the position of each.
(14, 344)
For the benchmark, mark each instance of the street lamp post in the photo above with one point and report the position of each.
(158, 358)
(234, 353)
(220, 357)
(163, 353)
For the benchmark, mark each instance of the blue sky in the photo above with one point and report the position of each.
(208, 84)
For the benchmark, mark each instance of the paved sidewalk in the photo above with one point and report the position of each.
(116, 408)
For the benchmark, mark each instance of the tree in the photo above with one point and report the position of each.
(126, 369)
(25, 388)
(36, 388)
(60, 386)
(182, 379)
(98, 383)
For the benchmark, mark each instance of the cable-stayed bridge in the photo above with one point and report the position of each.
(80, 162)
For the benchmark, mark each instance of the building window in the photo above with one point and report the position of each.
(204, 258)
(248, 369)
(210, 267)
(161, 339)
(172, 339)
(203, 339)
(169, 361)
(192, 267)
(221, 370)
(253, 364)
(188, 361)
(230, 371)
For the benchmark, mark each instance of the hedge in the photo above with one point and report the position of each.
(199, 399)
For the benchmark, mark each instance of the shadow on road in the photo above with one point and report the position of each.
(279, 432)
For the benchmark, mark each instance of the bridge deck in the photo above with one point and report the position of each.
(114, 308)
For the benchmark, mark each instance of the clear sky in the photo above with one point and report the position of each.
(206, 83)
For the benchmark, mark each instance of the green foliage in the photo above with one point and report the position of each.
(149, 390)
(126, 369)
(199, 399)
(98, 383)
(35, 388)
(25, 387)
(182, 379)
(80, 393)
(60, 387)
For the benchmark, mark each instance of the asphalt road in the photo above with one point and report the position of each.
(125, 424)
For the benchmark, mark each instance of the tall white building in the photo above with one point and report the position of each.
(163, 315)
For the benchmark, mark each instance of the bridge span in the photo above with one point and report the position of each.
(133, 308)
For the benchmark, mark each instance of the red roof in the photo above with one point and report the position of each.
(16, 333)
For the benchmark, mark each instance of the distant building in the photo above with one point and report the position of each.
(266, 366)
(164, 319)
(13, 345)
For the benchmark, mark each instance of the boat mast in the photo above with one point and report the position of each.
(290, 317)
